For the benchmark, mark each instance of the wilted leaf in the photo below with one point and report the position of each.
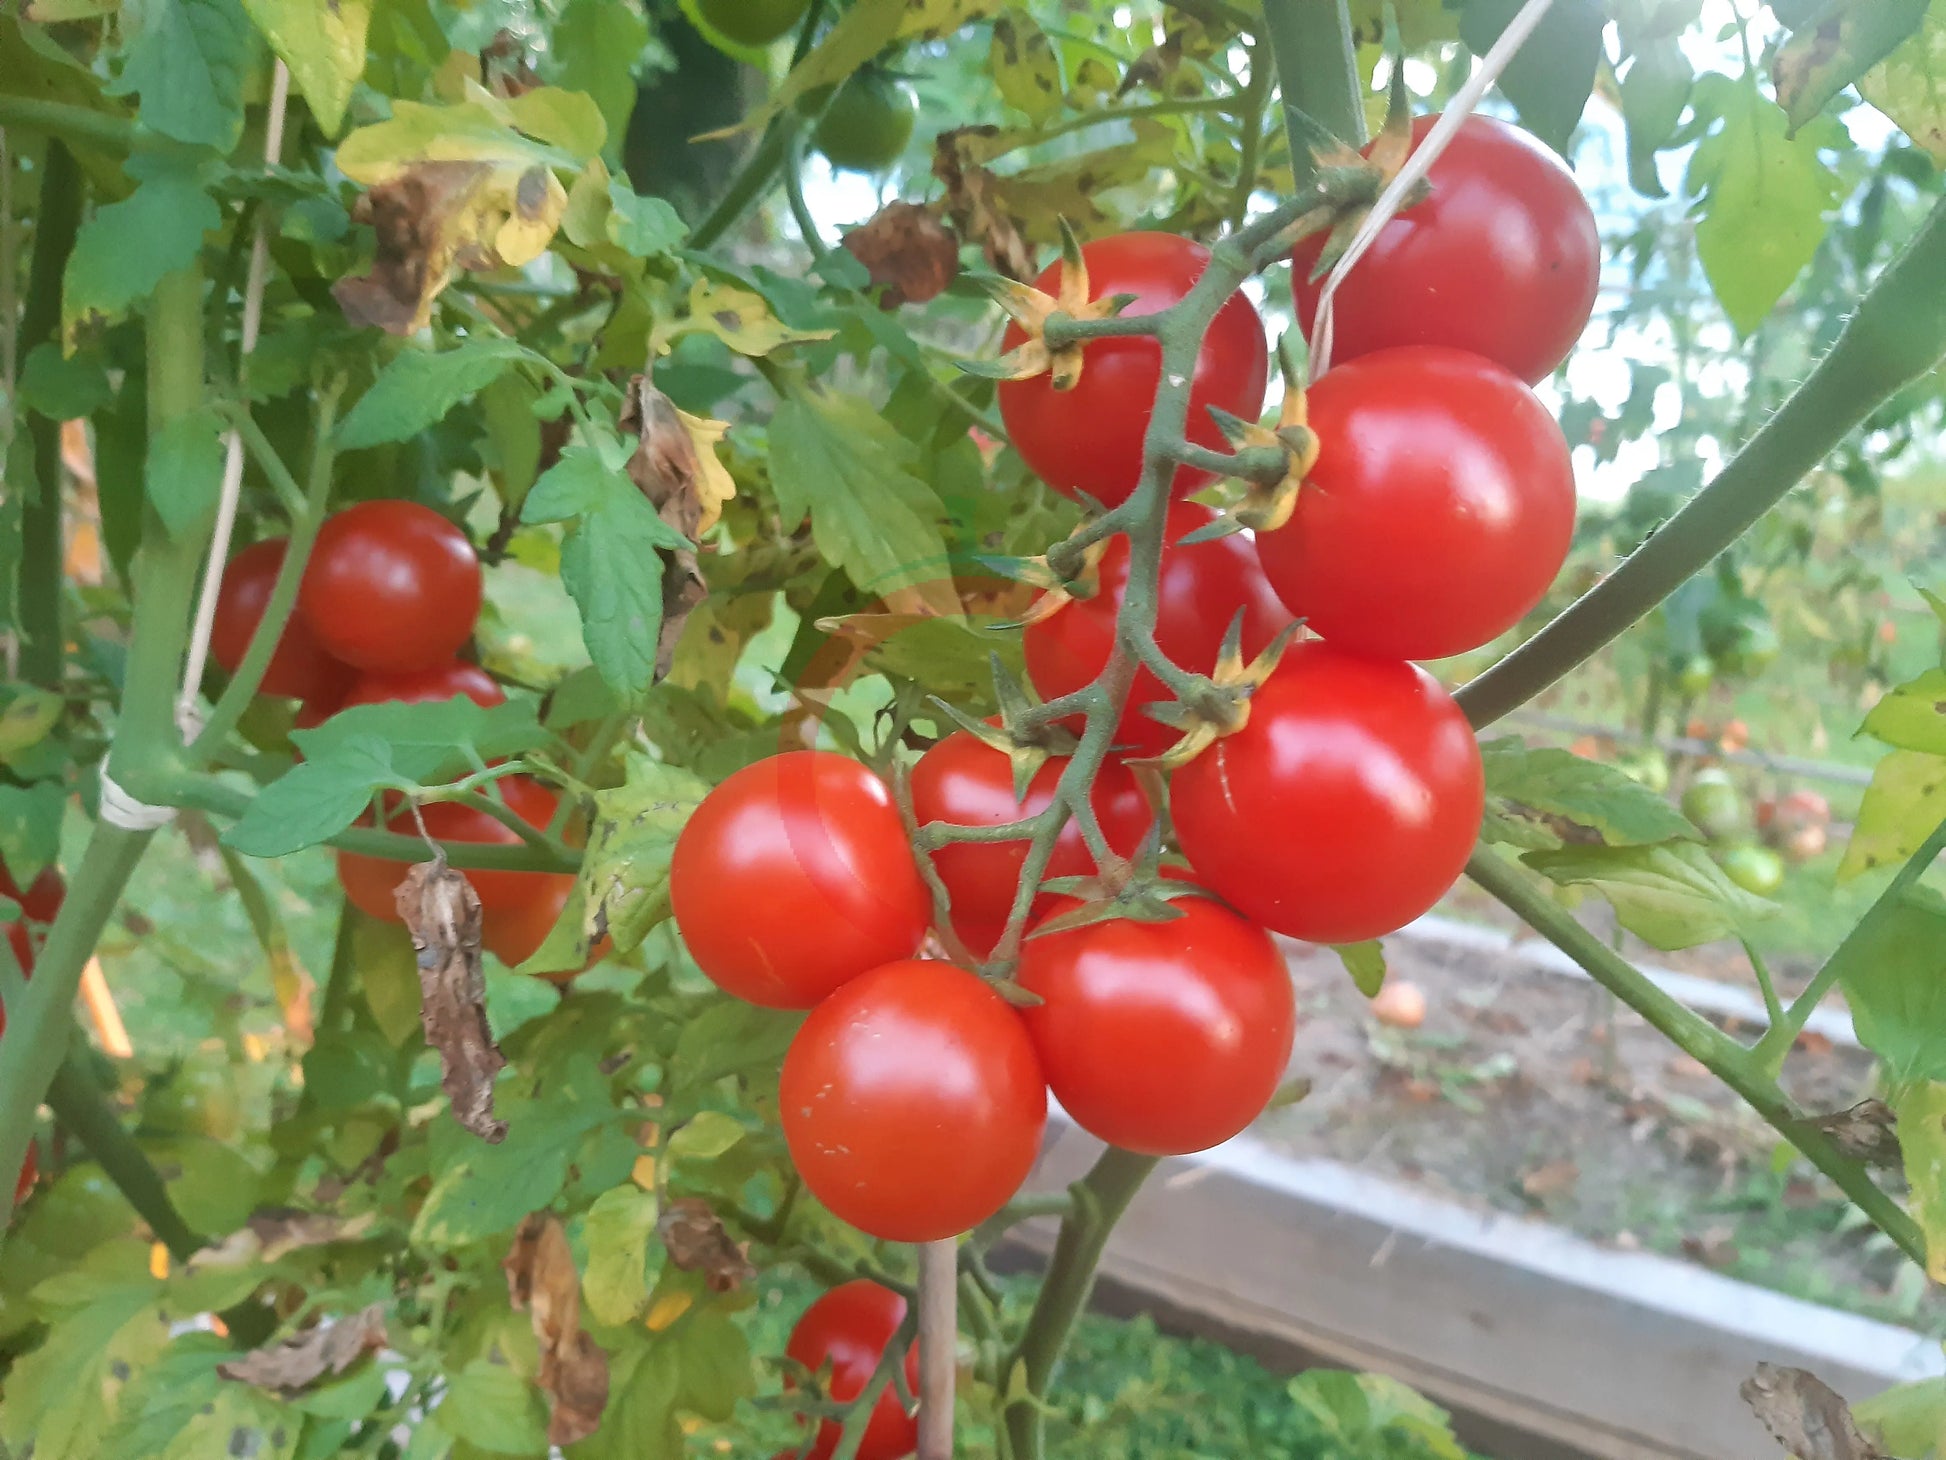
(737, 317)
(542, 1281)
(675, 466)
(1544, 797)
(1026, 72)
(1808, 1417)
(907, 251)
(697, 1242)
(442, 912)
(973, 203)
(1865, 1132)
(275, 1233)
(331, 1347)
(1847, 40)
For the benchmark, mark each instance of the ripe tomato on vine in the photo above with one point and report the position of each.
(392, 587)
(847, 1329)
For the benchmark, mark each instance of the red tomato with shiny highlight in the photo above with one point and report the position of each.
(299, 667)
(1440, 509)
(1201, 588)
(441, 682)
(912, 1102)
(848, 1329)
(1346, 805)
(795, 875)
(1089, 439)
(1502, 259)
(392, 587)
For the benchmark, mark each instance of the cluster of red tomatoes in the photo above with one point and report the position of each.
(38, 904)
(390, 595)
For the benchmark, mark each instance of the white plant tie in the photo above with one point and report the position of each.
(1388, 203)
(118, 808)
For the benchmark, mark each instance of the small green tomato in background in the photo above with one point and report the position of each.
(1754, 868)
(1647, 766)
(1713, 803)
(868, 123)
(1695, 675)
(752, 22)
(200, 1098)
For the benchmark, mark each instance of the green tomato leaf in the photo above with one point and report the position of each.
(1817, 63)
(1026, 72)
(1907, 1419)
(705, 1136)
(1893, 971)
(184, 473)
(1670, 895)
(490, 1406)
(30, 827)
(1765, 198)
(729, 1038)
(162, 1401)
(312, 801)
(324, 46)
(63, 387)
(838, 461)
(1906, 85)
(620, 1239)
(1371, 1414)
(595, 47)
(717, 1373)
(427, 739)
(481, 1191)
(125, 248)
(388, 972)
(415, 391)
(625, 870)
(1921, 1110)
(1551, 76)
(1913, 716)
(1365, 962)
(1905, 801)
(187, 60)
(1655, 93)
(1539, 799)
(610, 563)
(640, 1420)
(642, 227)
(28, 717)
(569, 120)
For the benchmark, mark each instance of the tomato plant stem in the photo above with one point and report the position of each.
(1100, 1199)
(56, 221)
(1897, 333)
(1317, 72)
(1250, 144)
(77, 124)
(1730, 1062)
(80, 1107)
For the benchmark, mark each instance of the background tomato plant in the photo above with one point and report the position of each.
(503, 298)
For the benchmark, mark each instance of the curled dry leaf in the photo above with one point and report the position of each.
(976, 211)
(317, 1353)
(442, 912)
(1807, 1416)
(676, 467)
(697, 1242)
(1867, 1132)
(276, 1232)
(541, 1281)
(907, 250)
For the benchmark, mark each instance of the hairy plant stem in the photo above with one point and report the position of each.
(146, 745)
(1317, 73)
(1896, 335)
(56, 222)
(1739, 1068)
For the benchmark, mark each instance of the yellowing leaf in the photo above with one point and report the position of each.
(737, 317)
(716, 485)
(324, 46)
(1909, 85)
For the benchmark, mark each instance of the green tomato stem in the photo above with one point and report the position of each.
(1317, 71)
(78, 124)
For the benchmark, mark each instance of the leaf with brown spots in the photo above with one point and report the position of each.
(542, 1282)
(971, 203)
(697, 1242)
(317, 1353)
(907, 251)
(442, 913)
(1806, 1416)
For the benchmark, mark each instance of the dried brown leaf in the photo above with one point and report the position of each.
(1867, 1132)
(697, 1242)
(976, 212)
(686, 485)
(1805, 1415)
(442, 912)
(907, 250)
(277, 1232)
(317, 1353)
(542, 1282)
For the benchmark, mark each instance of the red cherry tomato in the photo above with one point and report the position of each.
(965, 782)
(1089, 439)
(441, 682)
(1502, 259)
(912, 1102)
(1161, 1038)
(392, 587)
(1345, 806)
(848, 1329)
(795, 875)
(1439, 511)
(369, 882)
(39, 904)
(1201, 589)
(299, 667)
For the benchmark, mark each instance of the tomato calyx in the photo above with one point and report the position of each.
(1208, 707)
(1384, 158)
(1017, 732)
(1273, 461)
(1033, 310)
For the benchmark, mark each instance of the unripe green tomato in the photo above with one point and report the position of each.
(1649, 767)
(1754, 868)
(200, 1098)
(1715, 806)
(1753, 650)
(868, 123)
(752, 22)
(1695, 675)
